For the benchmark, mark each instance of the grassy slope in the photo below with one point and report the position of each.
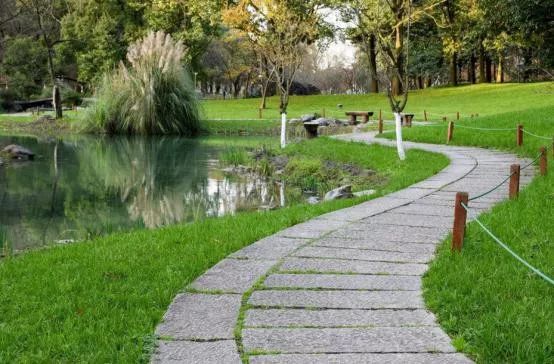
(99, 301)
(477, 99)
(497, 310)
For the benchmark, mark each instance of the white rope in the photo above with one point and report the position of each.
(507, 248)
(485, 129)
(536, 136)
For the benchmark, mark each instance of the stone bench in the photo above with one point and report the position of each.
(354, 114)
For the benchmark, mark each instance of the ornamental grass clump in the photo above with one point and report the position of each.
(152, 94)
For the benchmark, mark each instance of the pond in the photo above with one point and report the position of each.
(81, 187)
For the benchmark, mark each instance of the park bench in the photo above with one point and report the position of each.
(406, 119)
(354, 114)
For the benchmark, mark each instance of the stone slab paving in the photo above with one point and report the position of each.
(303, 265)
(194, 316)
(420, 358)
(343, 281)
(337, 299)
(348, 340)
(337, 318)
(344, 287)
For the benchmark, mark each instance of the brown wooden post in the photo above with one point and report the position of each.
(380, 114)
(380, 124)
(457, 115)
(260, 113)
(519, 136)
(425, 115)
(450, 133)
(460, 217)
(542, 162)
(515, 170)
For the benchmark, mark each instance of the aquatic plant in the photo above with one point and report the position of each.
(234, 156)
(151, 94)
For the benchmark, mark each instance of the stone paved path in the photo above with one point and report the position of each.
(341, 288)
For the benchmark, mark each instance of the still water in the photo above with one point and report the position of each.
(82, 187)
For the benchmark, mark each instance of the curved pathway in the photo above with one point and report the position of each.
(344, 287)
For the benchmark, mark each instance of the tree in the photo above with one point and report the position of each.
(280, 30)
(25, 62)
(46, 15)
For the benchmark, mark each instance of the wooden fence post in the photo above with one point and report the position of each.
(519, 136)
(460, 217)
(515, 170)
(425, 115)
(542, 162)
(380, 123)
(457, 115)
(450, 132)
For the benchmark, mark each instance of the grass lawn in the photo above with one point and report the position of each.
(496, 310)
(485, 99)
(99, 301)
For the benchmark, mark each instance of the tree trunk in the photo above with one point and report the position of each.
(419, 82)
(453, 70)
(482, 77)
(428, 82)
(399, 144)
(57, 102)
(263, 103)
(398, 51)
(373, 84)
(471, 69)
(283, 129)
(488, 70)
(500, 70)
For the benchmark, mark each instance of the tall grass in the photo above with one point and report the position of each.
(150, 95)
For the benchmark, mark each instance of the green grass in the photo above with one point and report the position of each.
(99, 301)
(537, 121)
(485, 99)
(495, 309)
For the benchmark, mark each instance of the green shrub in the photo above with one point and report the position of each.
(153, 95)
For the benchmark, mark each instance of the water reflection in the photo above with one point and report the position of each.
(84, 187)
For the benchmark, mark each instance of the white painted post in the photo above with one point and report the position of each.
(283, 130)
(282, 194)
(399, 145)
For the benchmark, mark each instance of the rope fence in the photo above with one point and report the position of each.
(461, 210)
(509, 250)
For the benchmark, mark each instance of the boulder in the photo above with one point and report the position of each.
(18, 152)
(279, 161)
(323, 121)
(338, 193)
(312, 200)
(307, 117)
